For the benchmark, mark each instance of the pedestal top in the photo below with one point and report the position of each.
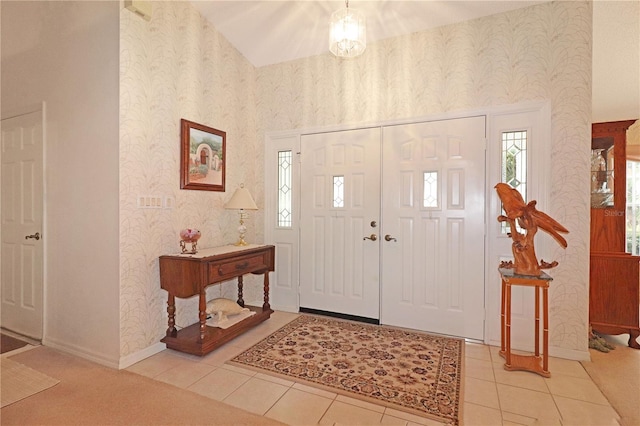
(509, 273)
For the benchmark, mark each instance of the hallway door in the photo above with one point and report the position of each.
(22, 221)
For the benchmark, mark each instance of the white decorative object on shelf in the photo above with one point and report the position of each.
(221, 309)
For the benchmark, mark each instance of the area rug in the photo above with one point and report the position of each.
(20, 381)
(410, 371)
(9, 343)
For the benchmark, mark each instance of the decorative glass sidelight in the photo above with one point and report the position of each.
(284, 189)
(514, 164)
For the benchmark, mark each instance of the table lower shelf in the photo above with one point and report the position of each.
(188, 339)
(530, 363)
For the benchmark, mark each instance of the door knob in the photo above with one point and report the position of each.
(35, 236)
(389, 238)
(372, 237)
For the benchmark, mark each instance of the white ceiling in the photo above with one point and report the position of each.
(269, 32)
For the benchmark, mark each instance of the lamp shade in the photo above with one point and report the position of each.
(347, 33)
(241, 200)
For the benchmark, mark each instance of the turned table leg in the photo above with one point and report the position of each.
(203, 316)
(171, 310)
(266, 306)
(240, 296)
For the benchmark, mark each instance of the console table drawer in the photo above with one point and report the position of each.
(221, 270)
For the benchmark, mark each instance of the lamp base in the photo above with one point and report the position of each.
(241, 242)
(241, 230)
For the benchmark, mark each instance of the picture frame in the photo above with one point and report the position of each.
(202, 157)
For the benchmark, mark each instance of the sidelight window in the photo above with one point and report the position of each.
(284, 189)
(514, 164)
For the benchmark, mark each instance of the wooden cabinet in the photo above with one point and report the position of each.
(614, 295)
(614, 277)
(187, 275)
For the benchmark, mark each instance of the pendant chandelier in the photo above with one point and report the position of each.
(347, 32)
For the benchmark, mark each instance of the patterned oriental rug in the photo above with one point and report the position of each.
(410, 371)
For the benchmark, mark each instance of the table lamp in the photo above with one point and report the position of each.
(241, 200)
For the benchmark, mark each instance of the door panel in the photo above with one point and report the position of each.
(433, 211)
(340, 206)
(22, 195)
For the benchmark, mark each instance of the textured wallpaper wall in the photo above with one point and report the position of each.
(177, 66)
(542, 52)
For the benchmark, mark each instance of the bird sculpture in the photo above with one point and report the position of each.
(530, 219)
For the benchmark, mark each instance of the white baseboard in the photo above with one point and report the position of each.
(571, 354)
(81, 352)
(117, 364)
(135, 357)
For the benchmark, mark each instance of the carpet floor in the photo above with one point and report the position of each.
(90, 394)
(410, 371)
(617, 374)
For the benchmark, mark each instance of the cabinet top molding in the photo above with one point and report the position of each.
(611, 126)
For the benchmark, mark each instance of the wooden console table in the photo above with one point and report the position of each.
(534, 363)
(186, 275)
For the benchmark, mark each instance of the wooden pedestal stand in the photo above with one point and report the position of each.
(534, 363)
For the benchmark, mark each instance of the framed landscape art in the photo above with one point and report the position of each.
(202, 157)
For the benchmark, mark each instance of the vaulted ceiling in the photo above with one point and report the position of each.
(273, 31)
(270, 32)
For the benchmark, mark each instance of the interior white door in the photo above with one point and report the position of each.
(434, 213)
(340, 211)
(22, 212)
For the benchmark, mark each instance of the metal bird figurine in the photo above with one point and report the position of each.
(530, 219)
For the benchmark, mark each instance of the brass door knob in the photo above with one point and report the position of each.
(372, 237)
(389, 238)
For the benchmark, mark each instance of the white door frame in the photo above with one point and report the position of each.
(12, 113)
(284, 286)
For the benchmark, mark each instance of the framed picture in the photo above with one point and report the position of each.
(202, 157)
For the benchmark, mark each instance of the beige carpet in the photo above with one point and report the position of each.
(90, 394)
(617, 375)
(409, 371)
(20, 381)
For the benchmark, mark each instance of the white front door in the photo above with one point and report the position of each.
(22, 213)
(339, 223)
(433, 214)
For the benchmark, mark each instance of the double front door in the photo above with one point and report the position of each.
(392, 224)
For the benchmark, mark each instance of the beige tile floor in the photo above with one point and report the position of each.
(492, 396)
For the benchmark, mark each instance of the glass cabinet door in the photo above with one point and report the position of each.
(602, 177)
